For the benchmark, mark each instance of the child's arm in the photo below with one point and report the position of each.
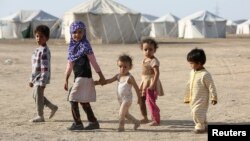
(209, 83)
(107, 81)
(45, 67)
(93, 62)
(187, 93)
(111, 80)
(134, 84)
(155, 78)
(67, 74)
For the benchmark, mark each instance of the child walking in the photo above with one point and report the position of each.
(199, 86)
(80, 53)
(40, 75)
(124, 93)
(150, 85)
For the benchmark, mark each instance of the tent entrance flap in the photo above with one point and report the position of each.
(26, 32)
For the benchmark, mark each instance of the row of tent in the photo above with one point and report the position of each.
(110, 22)
(22, 24)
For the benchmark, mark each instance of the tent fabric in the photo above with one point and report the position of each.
(106, 21)
(165, 26)
(202, 24)
(243, 28)
(147, 18)
(231, 27)
(146, 24)
(22, 24)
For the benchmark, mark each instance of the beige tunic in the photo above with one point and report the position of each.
(197, 93)
(83, 90)
(148, 75)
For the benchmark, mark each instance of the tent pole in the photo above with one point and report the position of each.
(133, 28)
(119, 29)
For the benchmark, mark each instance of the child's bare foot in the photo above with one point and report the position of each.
(144, 121)
(199, 131)
(153, 123)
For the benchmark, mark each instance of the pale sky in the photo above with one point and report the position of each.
(228, 9)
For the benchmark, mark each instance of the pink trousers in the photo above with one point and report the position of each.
(151, 96)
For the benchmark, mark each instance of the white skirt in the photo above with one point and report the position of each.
(83, 90)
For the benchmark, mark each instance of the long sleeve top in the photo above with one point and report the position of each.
(200, 88)
(40, 61)
(92, 60)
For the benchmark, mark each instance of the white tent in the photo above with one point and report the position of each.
(22, 24)
(202, 24)
(165, 26)
(244, 28)
(231, 27)
(106, 21)
(146, 23)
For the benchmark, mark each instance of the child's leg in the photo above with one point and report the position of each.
(39, 100)
(154, 109)
(75, 112)
(51, 106)
(143, 109)
(38, 96)
(199, 118)
(133, 120)
(89, 112)
(93, 123)
(122, 113)
(77, 125)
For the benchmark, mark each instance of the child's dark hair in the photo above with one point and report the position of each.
(125, 58)
(43, 29)
(197, 55)
(149, 41)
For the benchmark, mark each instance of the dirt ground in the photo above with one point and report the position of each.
(227, 60)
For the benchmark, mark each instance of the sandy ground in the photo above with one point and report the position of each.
(227, 60)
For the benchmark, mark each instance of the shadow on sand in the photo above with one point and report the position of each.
(166, 126)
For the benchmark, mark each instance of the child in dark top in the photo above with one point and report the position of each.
(80, 55)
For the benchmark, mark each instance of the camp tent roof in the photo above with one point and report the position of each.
(231, 23)
(247, 22)
(29, 15)
(101, 7)
(106, 21)
(168, 17)
(147, 18)
(203, 16)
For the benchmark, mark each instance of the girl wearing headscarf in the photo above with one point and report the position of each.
(80, 56)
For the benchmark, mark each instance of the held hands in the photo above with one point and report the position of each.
(102, 81)
(99, 82)
(214, 102)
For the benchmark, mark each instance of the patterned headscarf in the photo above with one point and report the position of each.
(78, 48)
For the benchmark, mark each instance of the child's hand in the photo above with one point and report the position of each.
(30, 84)
(66, 86)
(186, 102)
(102, 81)
(151, 87)
(214, 102)
(97, 83)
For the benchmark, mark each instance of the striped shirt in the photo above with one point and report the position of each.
(40, 61)
(199, 87)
